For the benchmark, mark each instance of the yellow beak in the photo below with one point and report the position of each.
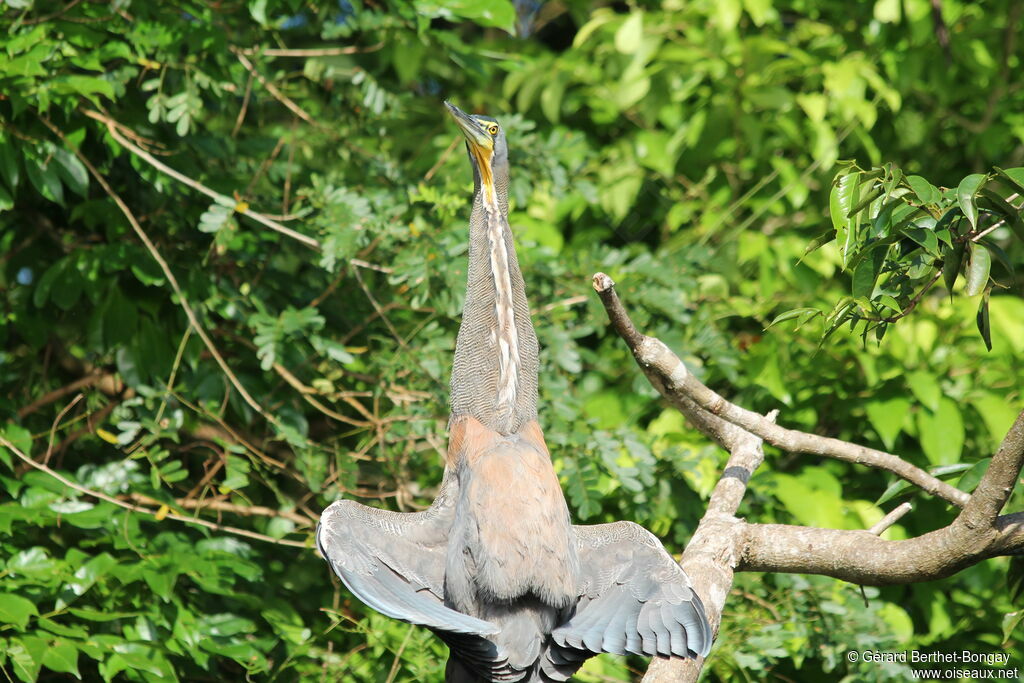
(481, 145)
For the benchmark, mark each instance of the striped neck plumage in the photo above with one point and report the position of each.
(504, 335)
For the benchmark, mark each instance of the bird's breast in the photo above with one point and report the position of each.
(512, 535)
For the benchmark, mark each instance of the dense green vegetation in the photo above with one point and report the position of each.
(688, 149)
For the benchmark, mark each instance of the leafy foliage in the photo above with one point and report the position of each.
(684, 148)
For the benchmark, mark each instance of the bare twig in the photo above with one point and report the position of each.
(563, 303)
(307, 395)
(94, 377)
(894, 515)
(441, 159)
(155, 253)
(115, 128)
(112, 128)
(144, 510)
(229, 507)
(309, 51)
(56, 422)
(49, 17)
(277, 94)
(245, 105)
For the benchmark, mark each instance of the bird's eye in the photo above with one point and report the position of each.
(492, 129)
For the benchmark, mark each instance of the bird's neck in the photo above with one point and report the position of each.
(494, 378)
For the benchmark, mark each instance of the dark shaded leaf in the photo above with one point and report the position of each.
(951, 265)
(984, 324)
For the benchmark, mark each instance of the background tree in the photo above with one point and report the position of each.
(232, 240)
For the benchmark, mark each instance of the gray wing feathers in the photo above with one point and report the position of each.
(635, 597)
(394, 563)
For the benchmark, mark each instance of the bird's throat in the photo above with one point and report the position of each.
(483, 164)
(505, 336)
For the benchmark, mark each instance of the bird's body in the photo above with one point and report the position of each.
(495, 567)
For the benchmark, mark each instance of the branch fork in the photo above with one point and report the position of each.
(723, 544)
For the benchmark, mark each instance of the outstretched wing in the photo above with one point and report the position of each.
(635, 598)
(394, 563)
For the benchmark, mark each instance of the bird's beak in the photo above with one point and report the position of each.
(480, 142)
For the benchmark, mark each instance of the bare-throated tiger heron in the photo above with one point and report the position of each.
(495, 567)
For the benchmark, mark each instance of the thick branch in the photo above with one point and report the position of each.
(999, 479)
(670, 376)
(863, 558)
(711, 554)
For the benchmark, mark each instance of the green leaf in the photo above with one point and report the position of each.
(942, 433)
(965, 196)
(983, 321)
(926, 238)
(630, 34)
(817, 243)
(951, 264)
(497, 13)
(33, 563)
(1015, 578)
(72, 171)
(101, 616)
(26, 656)
(925, 388)
(85, 577)
(794, 313)
(970, 478)
(997, 415)
(841, 201)
(1012, 620)
(1009, 213)
(887, 416)
(978, 268)
(62, 656)
(1000, 256)
(9, 162)
(45, 179)
(1015, 176)
(20, 437)
(894, 489)
(865, 274)
(16, 610)
(87, 86)
(925, 191)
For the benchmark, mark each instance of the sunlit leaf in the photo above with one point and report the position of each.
(965, 196)
(978, 267)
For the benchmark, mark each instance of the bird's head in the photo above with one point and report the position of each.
(485, 142)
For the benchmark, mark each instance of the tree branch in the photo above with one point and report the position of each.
(166, 269)
(670, 376)
(158, 514)
(723, 544)
(998, 481)
(864, 558)
(711, 555)
(112, 129)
